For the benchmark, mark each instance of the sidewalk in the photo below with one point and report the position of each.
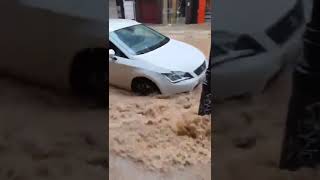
(204, 26)
(183, 28)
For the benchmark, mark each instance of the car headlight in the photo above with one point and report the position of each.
(177, 76)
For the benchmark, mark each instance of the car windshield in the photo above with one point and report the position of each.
(138, 39)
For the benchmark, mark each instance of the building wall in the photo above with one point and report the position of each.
(113, 13)
(182, 11)
(129, 9)
(170, 11)
(149, 11)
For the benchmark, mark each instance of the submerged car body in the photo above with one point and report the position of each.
(142, 54)
(59, 44)
(250, 45)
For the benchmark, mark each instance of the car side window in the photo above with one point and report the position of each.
(117, 50)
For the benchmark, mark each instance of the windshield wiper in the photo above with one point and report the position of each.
(151, 48)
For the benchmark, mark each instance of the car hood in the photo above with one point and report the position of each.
(174, 56)
(249, 16)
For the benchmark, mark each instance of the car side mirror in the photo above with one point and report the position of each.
(112, 54)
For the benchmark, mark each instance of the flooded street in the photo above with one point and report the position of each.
(123, 169)
(44, 135)
(159, 137)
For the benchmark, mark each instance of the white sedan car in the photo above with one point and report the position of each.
(146, 62)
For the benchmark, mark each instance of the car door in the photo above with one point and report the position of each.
(120, 70)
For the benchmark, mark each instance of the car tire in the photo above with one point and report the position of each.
(144, 87)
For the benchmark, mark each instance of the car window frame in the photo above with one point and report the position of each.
(165, 41)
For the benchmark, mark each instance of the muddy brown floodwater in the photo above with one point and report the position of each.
(44, 135)
(159, 137)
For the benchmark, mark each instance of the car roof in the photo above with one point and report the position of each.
(115, 24)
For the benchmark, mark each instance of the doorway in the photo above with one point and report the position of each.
(149, 11)
(192, 11)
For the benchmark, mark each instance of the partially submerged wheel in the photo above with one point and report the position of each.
(144, 87)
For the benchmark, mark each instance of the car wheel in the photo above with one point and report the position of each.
(144, 87)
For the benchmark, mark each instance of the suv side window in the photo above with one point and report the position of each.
(117, 50)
